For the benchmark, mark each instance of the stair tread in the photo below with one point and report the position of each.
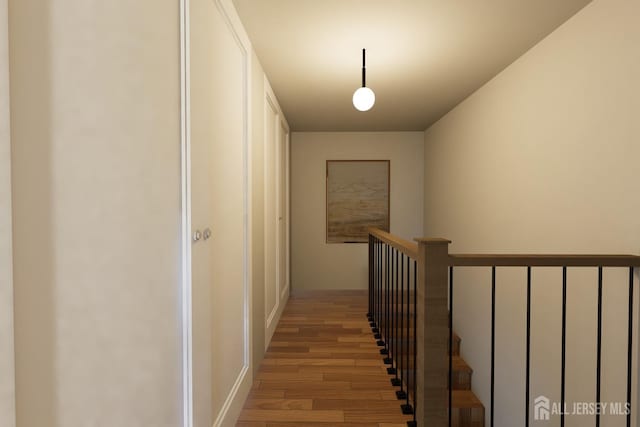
(465, 399)
(460, 365)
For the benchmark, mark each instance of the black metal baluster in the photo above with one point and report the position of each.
(375, 276)
(394, 353)
(389, 338)
(415, 336)
(376, 273)
(450, 343)
(599, 346)
(369, 312)
(389, 334)
(383, 328)
(493, 339)
(379, 292)
(391, 370)
(630, 346)
(397, 381)
(378, 335)
(528, 374)
(408, 378)
(385, 336)
(564, 344)
(404, 372)
(376, 302)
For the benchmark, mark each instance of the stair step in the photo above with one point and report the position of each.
(456, 344)
(462, 373)
(467, 410)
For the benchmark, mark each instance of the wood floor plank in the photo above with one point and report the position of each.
(306, 385)
(388, 395)
(290, 376)
(306, 404)
(266, 394)
(357, 377)
(373, 385)
(338, 394)
(373, 355)
(314, 362)
(308, 424)
(279, 368)
(374, 415)
(344, 404)
(299, 355)
(366, 370)
(364, 362)
(251, 424)
(296, 415)
(356, 339)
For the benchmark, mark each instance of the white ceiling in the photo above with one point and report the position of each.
(423, 56)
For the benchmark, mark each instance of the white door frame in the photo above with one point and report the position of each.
(185, 214)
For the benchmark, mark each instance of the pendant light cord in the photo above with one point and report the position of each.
(364, 70)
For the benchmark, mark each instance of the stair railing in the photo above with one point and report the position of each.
(411, 311)
(393, 270)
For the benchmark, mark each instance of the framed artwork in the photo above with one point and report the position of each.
(357, 198)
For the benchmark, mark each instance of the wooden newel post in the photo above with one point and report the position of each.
(432, 366)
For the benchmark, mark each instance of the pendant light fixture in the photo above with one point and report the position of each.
(363, 97)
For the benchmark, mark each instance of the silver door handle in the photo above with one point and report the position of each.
(207, 233)
(197, 235)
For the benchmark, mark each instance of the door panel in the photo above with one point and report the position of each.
(219, 194)
(271, 292)
(276, 212)
(228, 215)
(283, 217)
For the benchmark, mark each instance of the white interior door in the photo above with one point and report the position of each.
(283, 213)
(228, 217)
(271, 291)
(276, 212)
(219, 213)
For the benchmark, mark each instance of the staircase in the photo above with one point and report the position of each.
(467, 410)
(411, 289)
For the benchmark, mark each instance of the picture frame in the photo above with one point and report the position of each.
(357, 198)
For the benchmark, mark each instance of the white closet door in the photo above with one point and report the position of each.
(276, 212)
(271, 291)
(283, 214)
(219, 197)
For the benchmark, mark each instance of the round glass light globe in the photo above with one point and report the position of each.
(363, 99)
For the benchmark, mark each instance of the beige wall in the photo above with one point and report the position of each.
(544, 158)
(7, 392)
(95, 132)
(316, 264)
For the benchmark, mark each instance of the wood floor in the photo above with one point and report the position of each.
(323, 369)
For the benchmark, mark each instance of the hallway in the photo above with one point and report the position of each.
(323, 368)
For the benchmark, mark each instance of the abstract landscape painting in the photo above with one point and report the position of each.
(357, 198)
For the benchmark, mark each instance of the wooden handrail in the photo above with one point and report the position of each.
(547, 260)
(406, 247)
(507, 260)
